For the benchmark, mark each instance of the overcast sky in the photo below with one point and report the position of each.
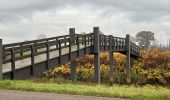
(25, 19)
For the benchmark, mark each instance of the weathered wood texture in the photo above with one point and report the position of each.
(96, 55)
(128, 63)
(111, 57)
(24, 59)
(72, 61)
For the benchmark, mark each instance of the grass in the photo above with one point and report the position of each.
(147, 92)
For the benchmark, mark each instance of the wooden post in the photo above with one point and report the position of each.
(85, 44)
(32, 59)
(47, 55)
(111, 58)
(78, 46)
(100, 38)
(12, 64)
(65, 42)
(35, 47)
(71, 40)
(92, 37)
(73, 65)
(21, 50)
(1, 60)
(105, 42)
(59, 52)
(128, 62)
(57, 41)
(72, 61)
(88, 42)
(96, 55)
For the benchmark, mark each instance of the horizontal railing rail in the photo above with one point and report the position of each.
(22, 50)
(40, 46)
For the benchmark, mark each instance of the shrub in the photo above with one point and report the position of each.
(153, 67)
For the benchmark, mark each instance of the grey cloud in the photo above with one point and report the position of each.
(136, 10)
(139, 10)
(119, 16)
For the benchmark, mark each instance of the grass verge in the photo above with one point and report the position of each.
(147, 92)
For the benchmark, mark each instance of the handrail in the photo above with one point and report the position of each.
(40, 45)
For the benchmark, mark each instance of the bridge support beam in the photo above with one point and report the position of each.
(111, 59)
(96, 55)
(72, 61)
(128, 60)
(1, 58)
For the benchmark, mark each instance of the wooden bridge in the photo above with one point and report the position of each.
(25, 59)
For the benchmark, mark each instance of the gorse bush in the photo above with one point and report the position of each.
(153, 67)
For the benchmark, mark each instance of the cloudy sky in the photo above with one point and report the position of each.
(25, 19)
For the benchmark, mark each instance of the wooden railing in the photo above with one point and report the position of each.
(23, 50)
(30, 49)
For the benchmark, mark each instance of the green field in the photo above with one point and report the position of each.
(146, 92)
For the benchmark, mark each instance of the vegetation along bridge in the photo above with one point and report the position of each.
(25, 59)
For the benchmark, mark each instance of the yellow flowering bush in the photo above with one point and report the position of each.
(152, 67)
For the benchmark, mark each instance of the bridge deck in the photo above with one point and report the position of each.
(40, 58)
